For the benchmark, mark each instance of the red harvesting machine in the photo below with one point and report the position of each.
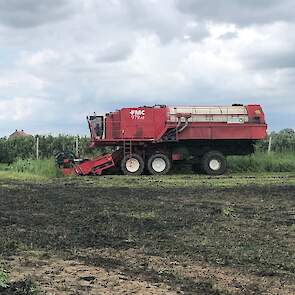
(153, 139)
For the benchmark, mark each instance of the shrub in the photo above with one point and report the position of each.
(262, 162)
(45, 167)
(3, 279)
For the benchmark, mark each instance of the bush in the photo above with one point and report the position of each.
(262, 162)
(3, 279)
(45, 167)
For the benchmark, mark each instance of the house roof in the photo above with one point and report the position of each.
(18, 133)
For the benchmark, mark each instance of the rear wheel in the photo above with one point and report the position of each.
(159, 164)
(214, 163)
(132, 165)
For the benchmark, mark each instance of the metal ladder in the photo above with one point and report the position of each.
(127, 148)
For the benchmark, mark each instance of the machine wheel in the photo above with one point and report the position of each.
(132, 165)
(159, 164)
(64, 159)
(214, 163)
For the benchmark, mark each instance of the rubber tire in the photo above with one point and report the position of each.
(213, 155)
(141, 165)
(150, 167)
(61, 156)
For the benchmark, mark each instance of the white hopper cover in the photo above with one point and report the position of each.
(228, 114)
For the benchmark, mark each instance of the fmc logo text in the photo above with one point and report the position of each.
(137, 114)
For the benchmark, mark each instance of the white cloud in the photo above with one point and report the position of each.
(41, 58)
(19, 108)
(12, 81)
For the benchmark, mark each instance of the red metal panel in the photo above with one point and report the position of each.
(255, 113)
(234, 131)
(160, 122)
(116, 125)
(138, 122)
(223, 131)
(259, 131)
(143, 123)
(68, 171)
(196, 130)
(108, 128)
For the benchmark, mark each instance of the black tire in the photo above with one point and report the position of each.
(214, 163)
(163, 160)
(138, 161)
(60, 158)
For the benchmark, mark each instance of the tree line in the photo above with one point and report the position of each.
(48, 146)
(25, 147)
(280, 142)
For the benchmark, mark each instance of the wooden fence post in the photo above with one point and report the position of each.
(269, 145)
(77, 146)
(37, 147)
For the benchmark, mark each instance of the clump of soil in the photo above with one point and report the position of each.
(24, 287)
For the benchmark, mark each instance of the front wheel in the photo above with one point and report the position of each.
(214, 163)
(159, 164)
(65, 159)
(132, 164)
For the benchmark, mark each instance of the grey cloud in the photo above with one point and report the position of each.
(197, 32)
(32, 13)
(229, 36)
(156, 17)
(280, 60)
(240, 12)
(276, 56)
(152, 17)
(115, 53)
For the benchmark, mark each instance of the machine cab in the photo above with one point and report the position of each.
(96, 126)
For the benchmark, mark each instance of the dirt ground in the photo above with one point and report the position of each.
(166, 235)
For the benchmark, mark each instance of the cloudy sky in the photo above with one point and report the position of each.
(60, 60)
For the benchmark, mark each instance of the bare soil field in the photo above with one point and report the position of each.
(183, 234)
